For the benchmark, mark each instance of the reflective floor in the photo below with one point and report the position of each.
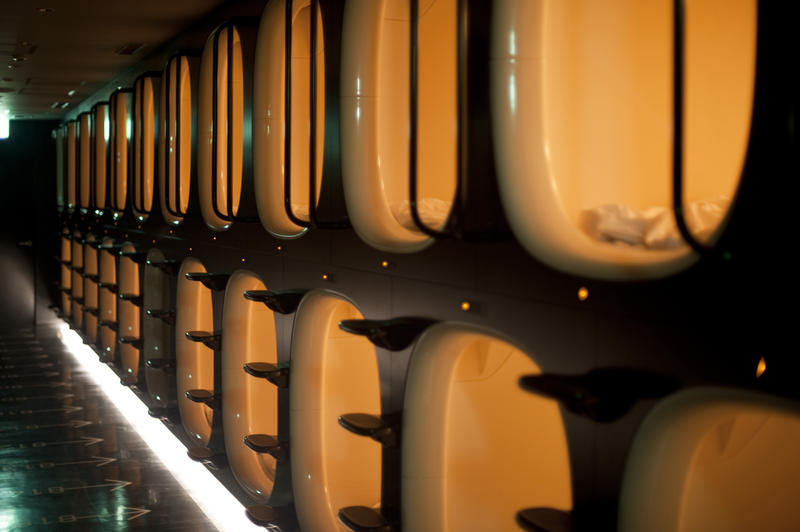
(68, 460)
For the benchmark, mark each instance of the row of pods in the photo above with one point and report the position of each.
(479, 444)
(406, 118)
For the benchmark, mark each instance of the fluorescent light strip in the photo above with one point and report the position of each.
(219, 505)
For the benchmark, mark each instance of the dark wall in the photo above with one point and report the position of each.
(27, 217)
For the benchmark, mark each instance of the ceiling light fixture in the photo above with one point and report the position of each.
(71, 92)
(64, 105)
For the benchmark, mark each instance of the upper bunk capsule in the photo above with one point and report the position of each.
(223, 121)
(282, 109)
(376, 149)
(586, 117)
(145, 127)
(177, 128)
(119, 146)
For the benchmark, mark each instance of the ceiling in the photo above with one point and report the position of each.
(50, 48)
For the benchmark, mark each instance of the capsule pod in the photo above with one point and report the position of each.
(585, 120)
(76, 282)
(194, 360)
(108, 298)
(90, 291)
(224, 142)
(71, 148)
(333, 372)
(120, 104)
(65, 261)
(284, 210)
(99, 158)
(476, 447)
(84, 161)
(129, 308)
(176, 138)
(714, 459)
(157, 332)
(376, 116)
(61, 139)
(143, 144)
(250, 405)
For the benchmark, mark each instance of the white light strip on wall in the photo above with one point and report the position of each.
(219, 505)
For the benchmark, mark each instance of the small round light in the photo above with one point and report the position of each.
(384, 264)
(279, 248)
(242, 259)
(465, 306)
(761, 367)
(324, 276)
(583, 293)
(213, 238)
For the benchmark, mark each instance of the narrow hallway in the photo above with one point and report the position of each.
(68, 459)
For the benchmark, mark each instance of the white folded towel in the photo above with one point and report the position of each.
(654, 228)
(433, 212)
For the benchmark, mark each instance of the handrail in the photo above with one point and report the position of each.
(413, 115)
(113, 137)
(93, 157)
(78, 158)
(137, 184)
(230, 217)
(177, 125)
(678, 71)
(287, 119)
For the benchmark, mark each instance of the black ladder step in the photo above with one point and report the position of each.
(212, 281)
(110, 247)
(382, 430)
(207, 397)
(63, 261)
(280, 301)
(76, 299)
(210, 340)
(129, 380)
(207, 457)
(132, 298)
(266, 444)
(171, 416)
(108, 324)
(92, 310)
(364, 519)
(394, 334)
(261, 514)
(274, 374)
(167, 365)
(111, 287)
(77, 269)
(133, 341)
(545, 520)
(91, 276)
(139, 257)
(604, 394)
(67, 291)
(168, 266)
(167, 316)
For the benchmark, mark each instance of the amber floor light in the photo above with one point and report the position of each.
(219, 505)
